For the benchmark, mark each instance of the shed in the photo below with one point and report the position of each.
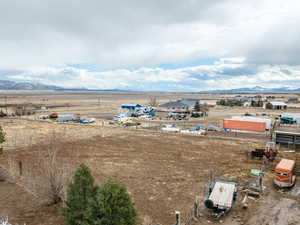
(287, 138)
(274, 105)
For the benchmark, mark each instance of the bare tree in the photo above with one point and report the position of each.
(153, 102)
(46, 178)
(53, 176)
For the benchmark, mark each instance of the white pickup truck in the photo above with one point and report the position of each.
(170, 128)
(193, 132)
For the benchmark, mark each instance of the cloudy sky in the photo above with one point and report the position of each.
(166, 45)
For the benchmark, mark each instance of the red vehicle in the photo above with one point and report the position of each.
(53, 116)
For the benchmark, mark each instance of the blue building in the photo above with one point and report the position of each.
(131, 106)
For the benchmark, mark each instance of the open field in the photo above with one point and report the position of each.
(163, 172)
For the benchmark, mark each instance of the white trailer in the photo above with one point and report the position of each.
(66, 117)
(193, 132)
(222, 194)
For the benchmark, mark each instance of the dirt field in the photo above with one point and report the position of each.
(163, 172)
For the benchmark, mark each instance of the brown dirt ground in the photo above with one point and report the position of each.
(163, 172)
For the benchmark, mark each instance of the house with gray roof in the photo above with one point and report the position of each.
(179, 105)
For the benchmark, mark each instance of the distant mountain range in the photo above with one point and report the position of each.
(258, 89)
(12, 85)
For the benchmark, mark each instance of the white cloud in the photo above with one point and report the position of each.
(223, 74)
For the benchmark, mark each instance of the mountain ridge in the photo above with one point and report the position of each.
(13, 85)
(258, 89)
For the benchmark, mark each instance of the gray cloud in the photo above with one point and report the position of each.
(38, 38)
(117, 33)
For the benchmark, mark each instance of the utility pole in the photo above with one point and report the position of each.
(178, 219)
(5, 99)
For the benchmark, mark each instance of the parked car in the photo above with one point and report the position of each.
(113, 121)
(129, 124)
(213, 128)
(200, 127)
(170, 128)
(198, 114)
(177, 116)
(87, 120)
(43, 117)
(53, 115)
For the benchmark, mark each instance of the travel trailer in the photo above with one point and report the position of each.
(284, 176)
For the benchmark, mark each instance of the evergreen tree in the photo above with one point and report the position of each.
(197, 107)
(2, 138)
(221, 102)
(113, 205)
(80, 193)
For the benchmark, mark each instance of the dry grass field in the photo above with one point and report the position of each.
(163, 172)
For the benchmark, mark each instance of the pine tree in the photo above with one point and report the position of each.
(197, 107)
(113, 205)
(80, 193)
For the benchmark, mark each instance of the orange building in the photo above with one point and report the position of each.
(244, 125)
